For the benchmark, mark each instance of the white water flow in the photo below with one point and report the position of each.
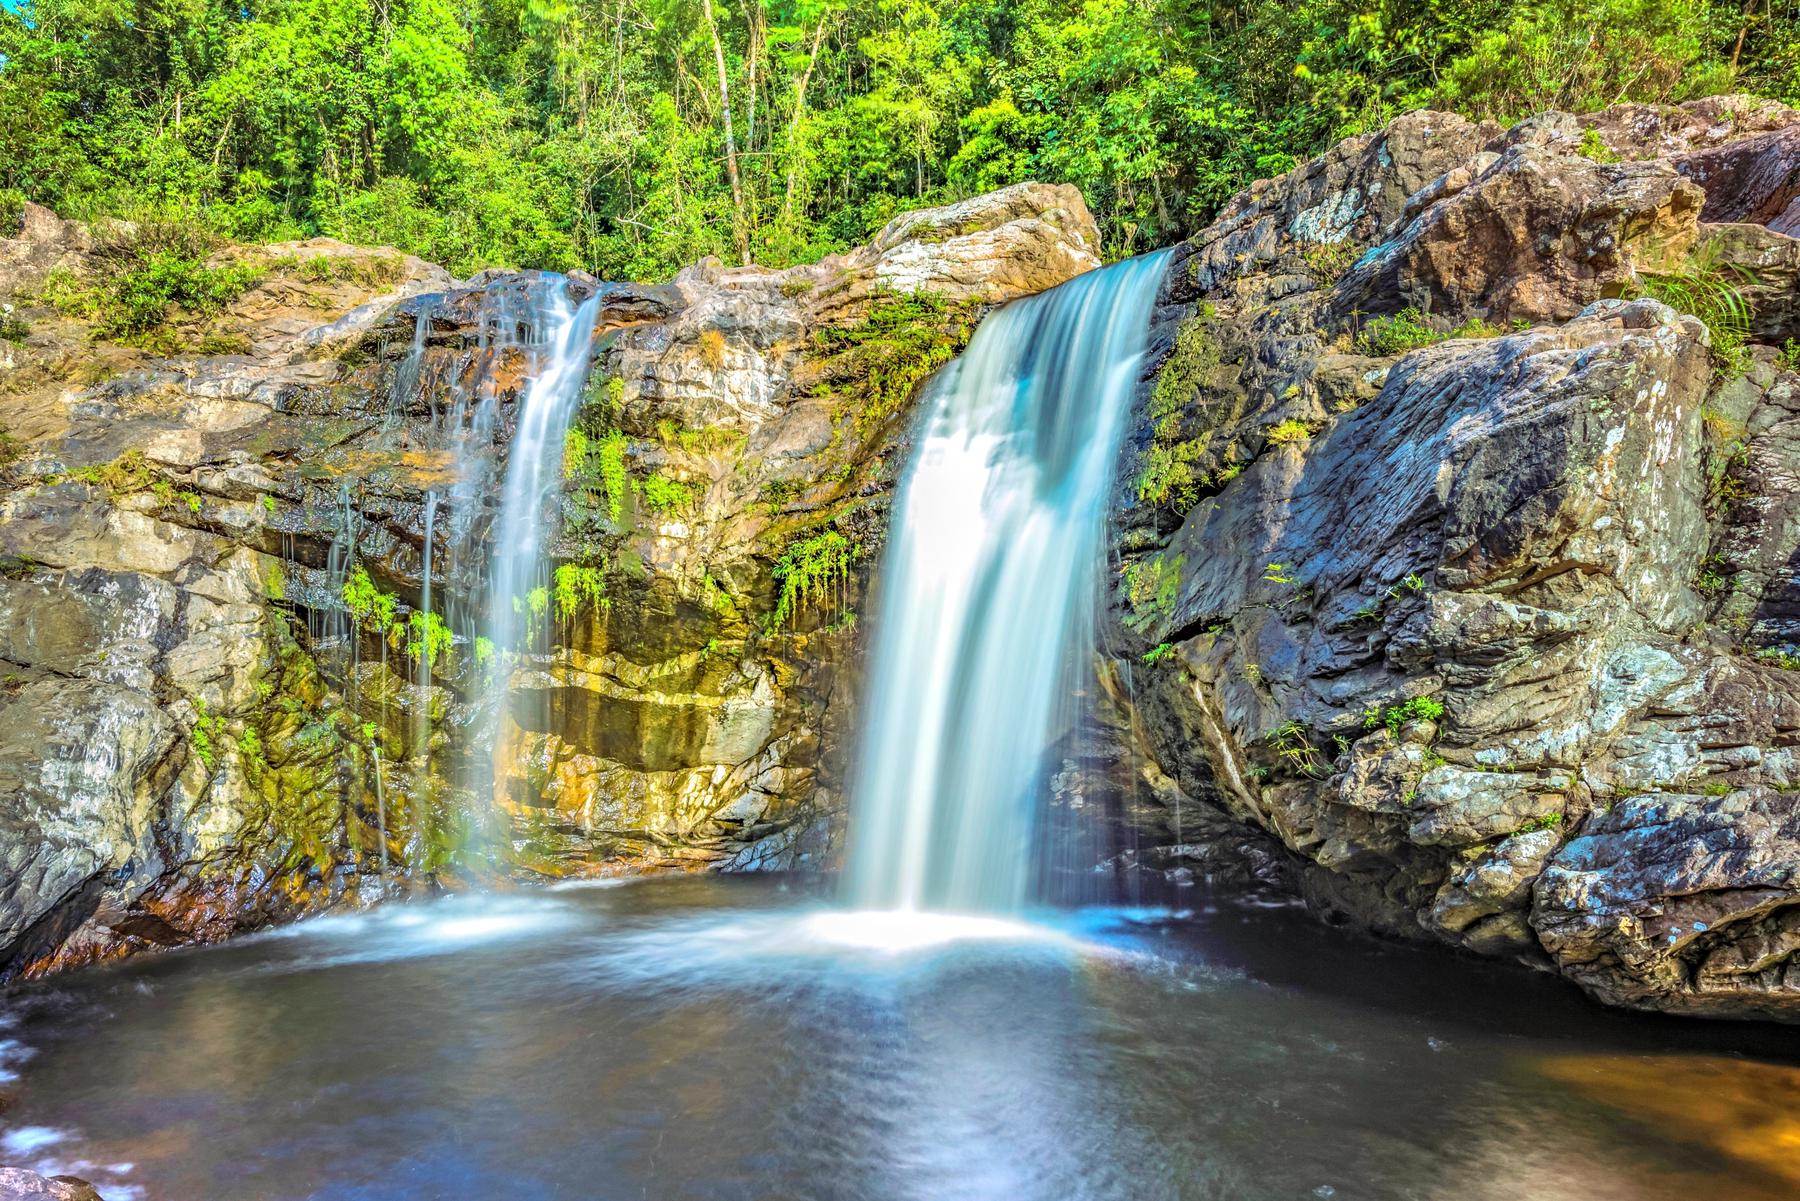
(987, 607)
(518, 565)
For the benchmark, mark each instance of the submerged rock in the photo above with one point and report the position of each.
(1464, 561)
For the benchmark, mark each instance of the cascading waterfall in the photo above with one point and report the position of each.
(987, 610)
(518, 566)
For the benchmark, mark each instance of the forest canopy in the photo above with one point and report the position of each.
(632, 136)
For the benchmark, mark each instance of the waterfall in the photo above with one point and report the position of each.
(422, 719)
(987, 607)
(518, 621)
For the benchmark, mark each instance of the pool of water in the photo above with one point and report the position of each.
(717, 1038)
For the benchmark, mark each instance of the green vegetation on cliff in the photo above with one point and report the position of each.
(632, 137)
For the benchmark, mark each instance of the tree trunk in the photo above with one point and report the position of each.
(739, 227)
(787, 203)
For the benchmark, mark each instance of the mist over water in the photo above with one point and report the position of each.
(987, 594)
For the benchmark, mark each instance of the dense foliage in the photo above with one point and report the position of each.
(630, 136)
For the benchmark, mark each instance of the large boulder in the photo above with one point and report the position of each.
(1465, 567)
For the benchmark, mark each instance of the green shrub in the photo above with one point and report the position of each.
(810, 571)
(664, 495)
(1404, 331)
(1286, 432)
(1594, 147)
(577, 587)
(1708, 290)
(1327, 261)
(1581, 55)
(12, 212)
(1394, 717)
(146, 276)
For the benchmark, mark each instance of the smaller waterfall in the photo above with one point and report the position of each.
(986, 613)
(422, 720)
(409, 375)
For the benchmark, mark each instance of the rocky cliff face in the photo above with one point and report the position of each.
(225, 699)
(1458, 546)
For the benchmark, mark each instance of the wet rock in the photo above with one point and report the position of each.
(20, 1184)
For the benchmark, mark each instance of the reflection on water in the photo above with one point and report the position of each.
(739, 1039)
(1749, 1111)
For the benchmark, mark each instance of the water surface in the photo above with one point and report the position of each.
(715, 1038)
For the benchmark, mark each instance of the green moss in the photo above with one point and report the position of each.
(1149, 588)
(1166, 472)
(875, 366)
(697, 441)
(1594, 147)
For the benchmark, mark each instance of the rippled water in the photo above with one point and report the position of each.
(708, 1038)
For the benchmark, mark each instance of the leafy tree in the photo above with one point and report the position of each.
(632, 136)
